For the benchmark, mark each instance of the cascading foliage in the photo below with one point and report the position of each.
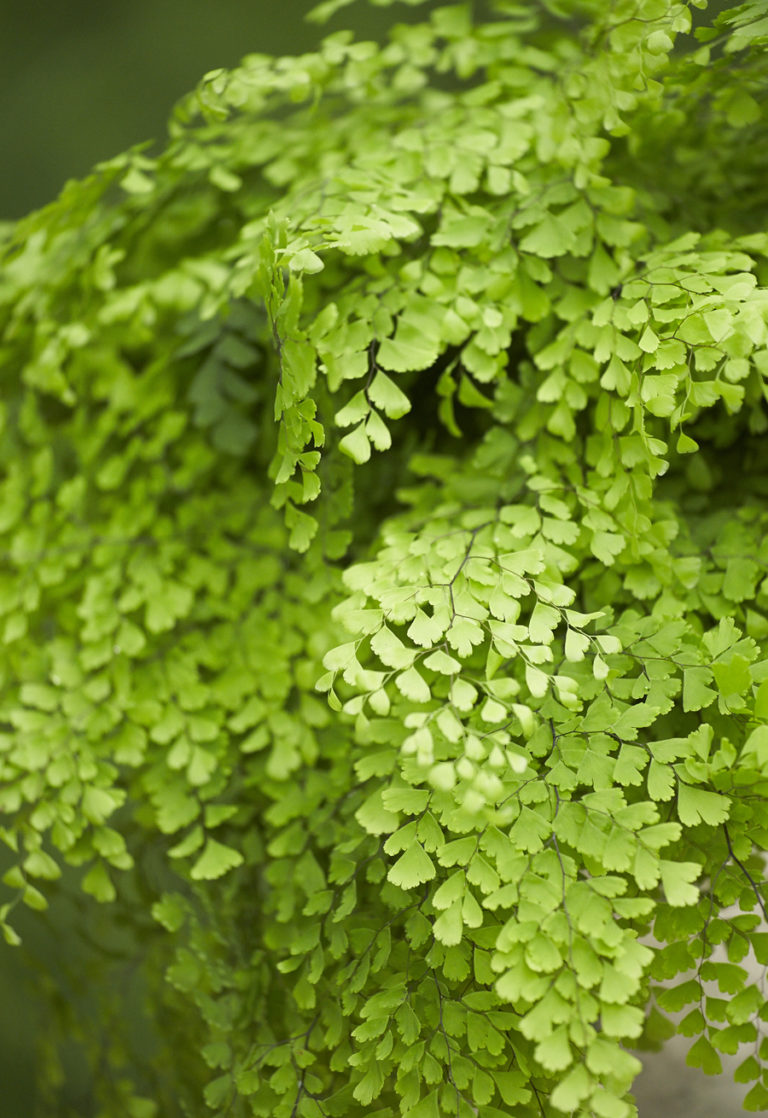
(383, 596)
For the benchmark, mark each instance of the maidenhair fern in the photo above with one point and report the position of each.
(383, 600)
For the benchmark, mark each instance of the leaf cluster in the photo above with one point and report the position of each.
(383, 596)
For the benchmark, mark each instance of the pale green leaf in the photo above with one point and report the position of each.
(215, 860)
(412, 868)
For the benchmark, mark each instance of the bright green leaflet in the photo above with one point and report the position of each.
(384, 596)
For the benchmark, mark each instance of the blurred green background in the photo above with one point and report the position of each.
(82, 80)
(79, 82)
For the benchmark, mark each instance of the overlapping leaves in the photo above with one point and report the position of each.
(430, 392)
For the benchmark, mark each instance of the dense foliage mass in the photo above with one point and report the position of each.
(384, 603)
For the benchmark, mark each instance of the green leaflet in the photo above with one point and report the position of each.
(215, 860)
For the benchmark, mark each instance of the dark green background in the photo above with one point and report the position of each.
(80, 80)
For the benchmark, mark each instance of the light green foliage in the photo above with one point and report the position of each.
(384, 603)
